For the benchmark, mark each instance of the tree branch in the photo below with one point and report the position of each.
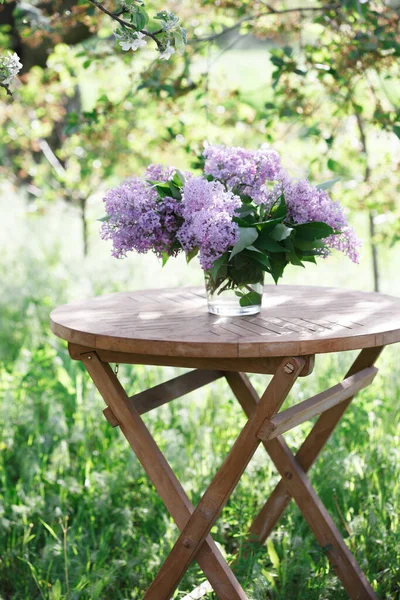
(150, 34)
(5, 86)
(371, 211)
(112, 15)
(363, 140)
(271, 11)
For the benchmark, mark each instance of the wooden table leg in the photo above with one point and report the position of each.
(308, 451)
(223, 484)
(163, 478)
(320, 522)
(295, 483)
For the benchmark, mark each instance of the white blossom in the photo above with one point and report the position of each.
(131, 41)
(9, 67)
(167, 52)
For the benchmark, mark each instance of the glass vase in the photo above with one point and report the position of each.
(229, 299)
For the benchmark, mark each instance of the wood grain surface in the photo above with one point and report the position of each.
(295, 320)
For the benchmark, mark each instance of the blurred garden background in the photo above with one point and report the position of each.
(317, 81)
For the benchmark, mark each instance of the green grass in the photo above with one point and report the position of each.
(78, 516)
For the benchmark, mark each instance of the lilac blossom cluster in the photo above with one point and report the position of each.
(160, 172)
(307, 203)
(207, 212)
(139, 220)
(199, 213)
(244, 171)
(260, 175)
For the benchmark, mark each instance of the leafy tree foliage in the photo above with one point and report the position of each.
(85, 110)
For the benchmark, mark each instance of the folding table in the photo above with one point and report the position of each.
(171, 327)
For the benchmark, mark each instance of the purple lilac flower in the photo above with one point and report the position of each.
(159, 172)
(306, 203)
(163, 173)
(207, 212)
(139, 220)
(347, 242)
(244, 170)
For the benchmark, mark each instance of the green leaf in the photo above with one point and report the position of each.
(267, 226)
(141, 17)
(104, 219)
(396, 130)
(260, 257)
(191, 255)
(302, 254)
(250, 299)
(244, 270)
(162, 186)
(281, 232)
(140, 21)
(333, 165)
(163, 189)
(183, 33)
(310, 259)
(265, 242)
(254, 249)
(326, 185)
(169, 19)
(164, 258)
(248, 222)
(277, 268)
(294, 259)
(219, 268)
(143, 11)
(279, 210)
(277, 61)
(178, 178)
(308, 244)
(175, 191)
(246, 199)
(50, 530)
(245, 210)
(313, 231)
(56, 591)
(273, 556)
(248, 235)
(179, 41)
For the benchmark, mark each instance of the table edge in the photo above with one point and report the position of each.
(224, 350)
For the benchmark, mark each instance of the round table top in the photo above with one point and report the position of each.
(294, 321)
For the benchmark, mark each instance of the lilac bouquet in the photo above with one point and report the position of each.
(244, 217)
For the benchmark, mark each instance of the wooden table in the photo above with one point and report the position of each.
(172, 327)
